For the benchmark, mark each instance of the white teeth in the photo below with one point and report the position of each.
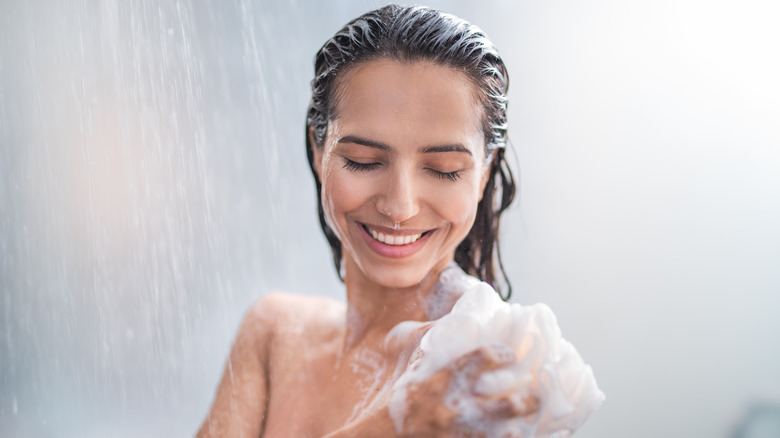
(388, 239)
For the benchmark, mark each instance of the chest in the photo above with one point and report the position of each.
(313, 391)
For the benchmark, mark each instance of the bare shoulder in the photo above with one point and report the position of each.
(289, 302)
(280, 312)
(241, 403)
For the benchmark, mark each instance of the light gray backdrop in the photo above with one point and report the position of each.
(153, 184)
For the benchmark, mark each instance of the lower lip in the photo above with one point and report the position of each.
(393, 251)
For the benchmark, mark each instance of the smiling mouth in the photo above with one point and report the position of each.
(394, 239)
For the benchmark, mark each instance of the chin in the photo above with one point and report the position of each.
(397, 275)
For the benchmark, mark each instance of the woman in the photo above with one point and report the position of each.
(405, 136)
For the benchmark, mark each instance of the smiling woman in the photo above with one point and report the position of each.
(405, 158)
(405, 136)
(461, 51)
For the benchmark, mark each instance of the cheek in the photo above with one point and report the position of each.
(342, 194)
(458, 204)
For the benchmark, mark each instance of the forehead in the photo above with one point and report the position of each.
(421, 100)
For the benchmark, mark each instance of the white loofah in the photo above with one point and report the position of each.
(548, 368)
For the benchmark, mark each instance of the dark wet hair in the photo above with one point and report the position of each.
(412, 34)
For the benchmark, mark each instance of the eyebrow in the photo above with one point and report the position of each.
(364, 142)
(447, 148)
(384, 147)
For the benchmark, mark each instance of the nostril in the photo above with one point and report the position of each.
(398, 202)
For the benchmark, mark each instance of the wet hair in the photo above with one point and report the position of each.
(420, 34)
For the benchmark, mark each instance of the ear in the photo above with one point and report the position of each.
(316, 153)
(486, 174)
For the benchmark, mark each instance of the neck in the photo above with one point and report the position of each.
(374, 309)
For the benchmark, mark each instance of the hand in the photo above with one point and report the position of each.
(435, 406)
(431, 411)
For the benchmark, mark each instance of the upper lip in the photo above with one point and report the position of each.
(394, 232)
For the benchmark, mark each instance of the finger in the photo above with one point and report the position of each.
(509, 406)
(432, 388)
(485, 358)
(502, 381)
(424, 401)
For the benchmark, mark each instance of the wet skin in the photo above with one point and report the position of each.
(405, 158)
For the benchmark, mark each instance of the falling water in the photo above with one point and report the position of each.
(135, 136)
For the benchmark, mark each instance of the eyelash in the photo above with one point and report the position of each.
(452, 176)
(358, 167)
(354, 166)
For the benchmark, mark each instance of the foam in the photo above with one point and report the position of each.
(549, 369)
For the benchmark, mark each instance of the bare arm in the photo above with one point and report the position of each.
(240, 405)
(376, 424)
(429, 417)
(426, 413)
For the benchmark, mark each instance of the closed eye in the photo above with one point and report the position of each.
(451, 176)
(355, 166)
(358, 167)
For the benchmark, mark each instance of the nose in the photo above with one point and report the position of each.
(398, 199)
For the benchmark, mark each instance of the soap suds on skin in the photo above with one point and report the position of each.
(452, 284)
(371, 373)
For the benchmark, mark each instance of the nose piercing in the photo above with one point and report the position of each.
(397, 225)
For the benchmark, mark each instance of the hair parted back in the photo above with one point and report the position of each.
(412, 34)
